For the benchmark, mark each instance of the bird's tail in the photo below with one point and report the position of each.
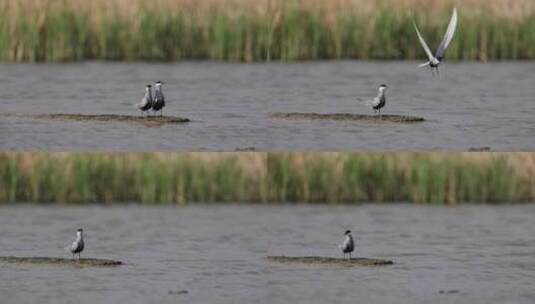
(424, 64)
(369, 103)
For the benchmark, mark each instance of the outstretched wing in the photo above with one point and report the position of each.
(448, 36)
(422, 42)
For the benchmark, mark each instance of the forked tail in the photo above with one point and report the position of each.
(423, 65)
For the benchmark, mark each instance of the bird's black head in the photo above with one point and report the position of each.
(159, 82)
(149, 86)
(347, 232)
(80, 230)
(383, 86)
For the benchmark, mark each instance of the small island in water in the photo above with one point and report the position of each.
(145, 120)
(347, 117)
(50, 261)
(316, 260)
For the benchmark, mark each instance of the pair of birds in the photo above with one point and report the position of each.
(433, 60)
(78, 245)
(149, 102)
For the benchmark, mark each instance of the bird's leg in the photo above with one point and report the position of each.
(432, 71)
(438, 74)
(350, 255)
(73, 256)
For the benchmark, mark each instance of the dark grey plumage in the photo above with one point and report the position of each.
(378, 102)
(78, 245)
(348, 245)
(146, 101)
(159, 98)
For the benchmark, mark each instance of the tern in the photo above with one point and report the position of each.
(159, 99)
(434, 61)
(78, 245)
(348, 245)
(146, 101)
(379, 101)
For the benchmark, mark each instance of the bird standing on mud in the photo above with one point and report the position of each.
(159, 99)
(378, 102)
(146, 102)
(78, 245)
(434, 61)
(348, 245)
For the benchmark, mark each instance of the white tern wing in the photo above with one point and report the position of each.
(448, 36)
(422, 42)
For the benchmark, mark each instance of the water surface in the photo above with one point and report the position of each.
(469, 254)
(469, 105)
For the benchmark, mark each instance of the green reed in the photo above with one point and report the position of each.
(380, 177)
(107, 178)
(65, 33)
(280, 177)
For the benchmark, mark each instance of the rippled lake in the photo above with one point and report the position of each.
(216, 254)
(471, 105)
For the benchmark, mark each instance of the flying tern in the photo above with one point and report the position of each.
(435, 60)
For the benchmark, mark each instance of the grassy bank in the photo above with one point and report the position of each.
(148, 178)
(244, 30)
(443, 178)
(161, 178)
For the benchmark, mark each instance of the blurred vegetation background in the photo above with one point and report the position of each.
(180, 178)
(261, 30)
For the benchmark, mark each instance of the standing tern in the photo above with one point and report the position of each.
(78, 245)
(159, 99)
(434, 61)
(379, 101)
(348, 245)
(146, 102)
